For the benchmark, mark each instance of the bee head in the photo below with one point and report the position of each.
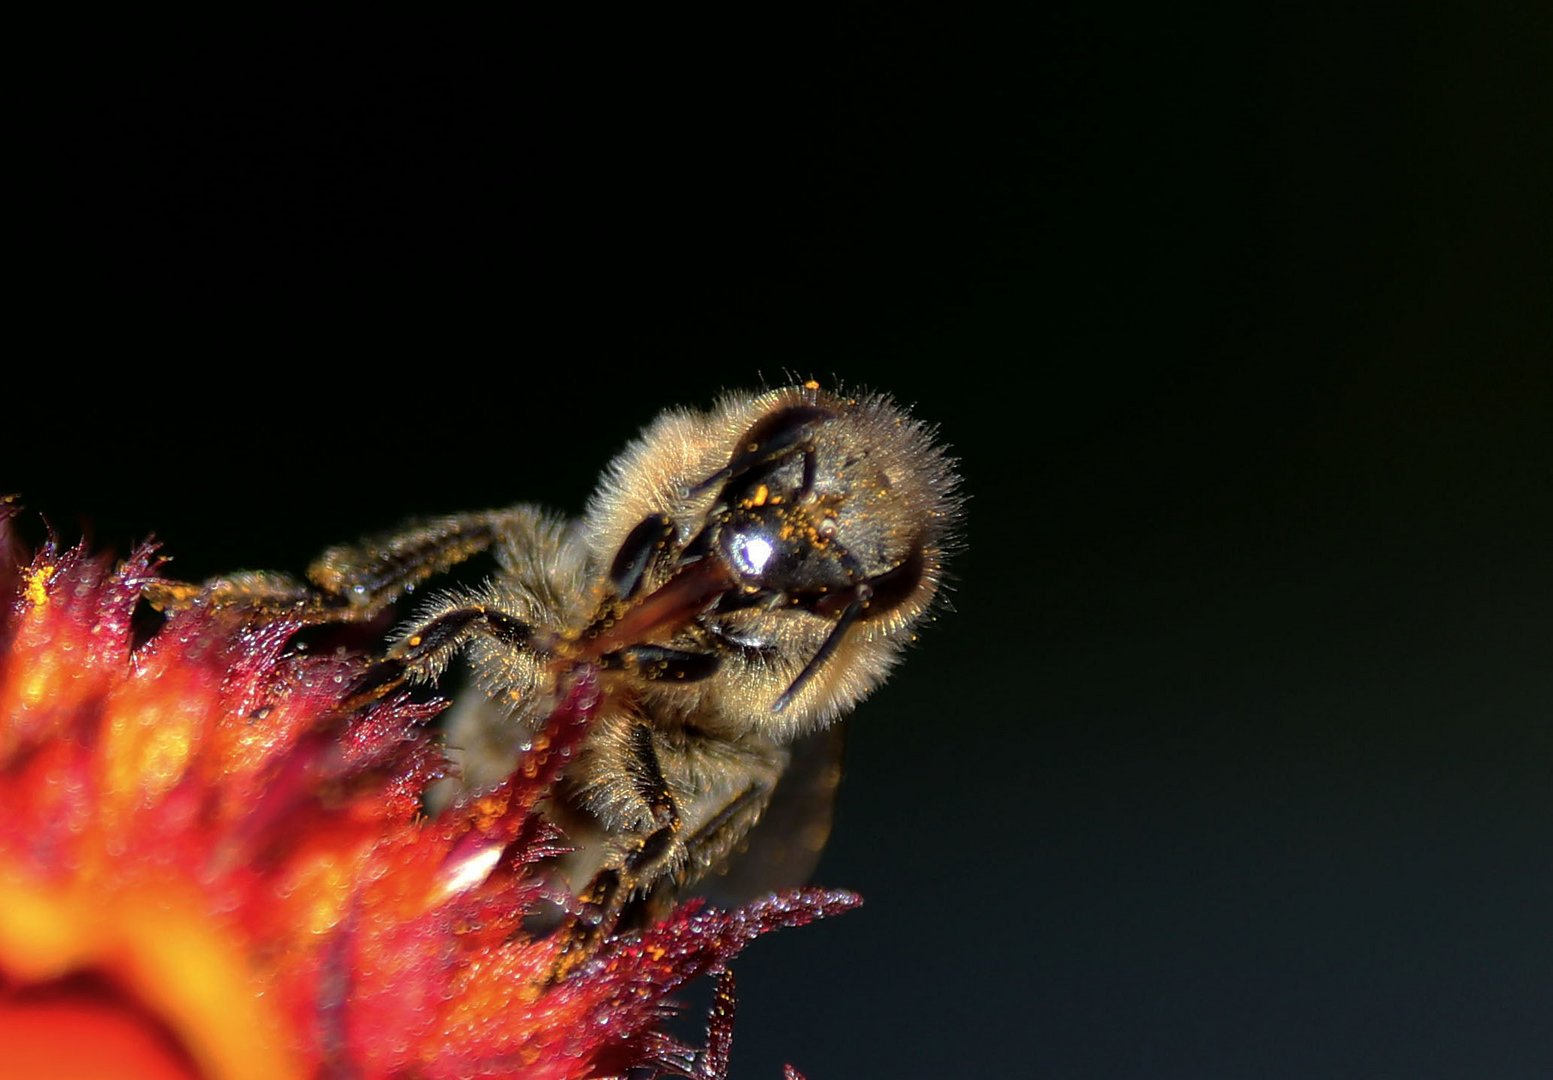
(808, 527)
(834, 507)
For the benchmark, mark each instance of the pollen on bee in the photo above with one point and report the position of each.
(415, 641)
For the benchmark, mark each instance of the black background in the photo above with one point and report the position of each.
(1235, 757)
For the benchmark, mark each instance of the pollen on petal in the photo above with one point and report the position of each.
(35, 584)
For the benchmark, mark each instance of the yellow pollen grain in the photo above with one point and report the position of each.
(762, 493)
(37, 584)
(811, 385)
(415, 641)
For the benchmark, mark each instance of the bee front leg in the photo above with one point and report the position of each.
(429, 647)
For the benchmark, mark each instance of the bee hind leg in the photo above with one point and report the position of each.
(351, 582)
(373, 573)
(261, 592)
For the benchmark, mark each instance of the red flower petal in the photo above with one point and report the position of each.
(211, 826)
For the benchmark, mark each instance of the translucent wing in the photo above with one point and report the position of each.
(784, 848)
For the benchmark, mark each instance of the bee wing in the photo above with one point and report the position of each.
(784, 848)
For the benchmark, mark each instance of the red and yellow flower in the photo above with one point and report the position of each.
(214, 863)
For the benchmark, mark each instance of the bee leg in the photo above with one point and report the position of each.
(715, 841)
(428, 648)
(446, 633)
(665, 852)
(658, 663)
(371, 574)
(662, 811)
(604, 897)
(353, 582)
(262, 592)
(641, 546)
(660, 856)
(708, 847)
(775, 438)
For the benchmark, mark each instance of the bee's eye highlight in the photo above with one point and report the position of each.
(750, 553)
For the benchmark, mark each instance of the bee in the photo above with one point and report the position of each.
(741, 578)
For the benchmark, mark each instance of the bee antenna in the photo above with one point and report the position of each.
(850, 615)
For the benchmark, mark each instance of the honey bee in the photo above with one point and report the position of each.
(741, 578)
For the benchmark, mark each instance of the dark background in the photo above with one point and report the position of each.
(1235, 757)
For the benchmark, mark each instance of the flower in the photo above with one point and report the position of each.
(214, 862)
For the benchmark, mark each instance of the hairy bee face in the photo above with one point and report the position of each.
(825, 519)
